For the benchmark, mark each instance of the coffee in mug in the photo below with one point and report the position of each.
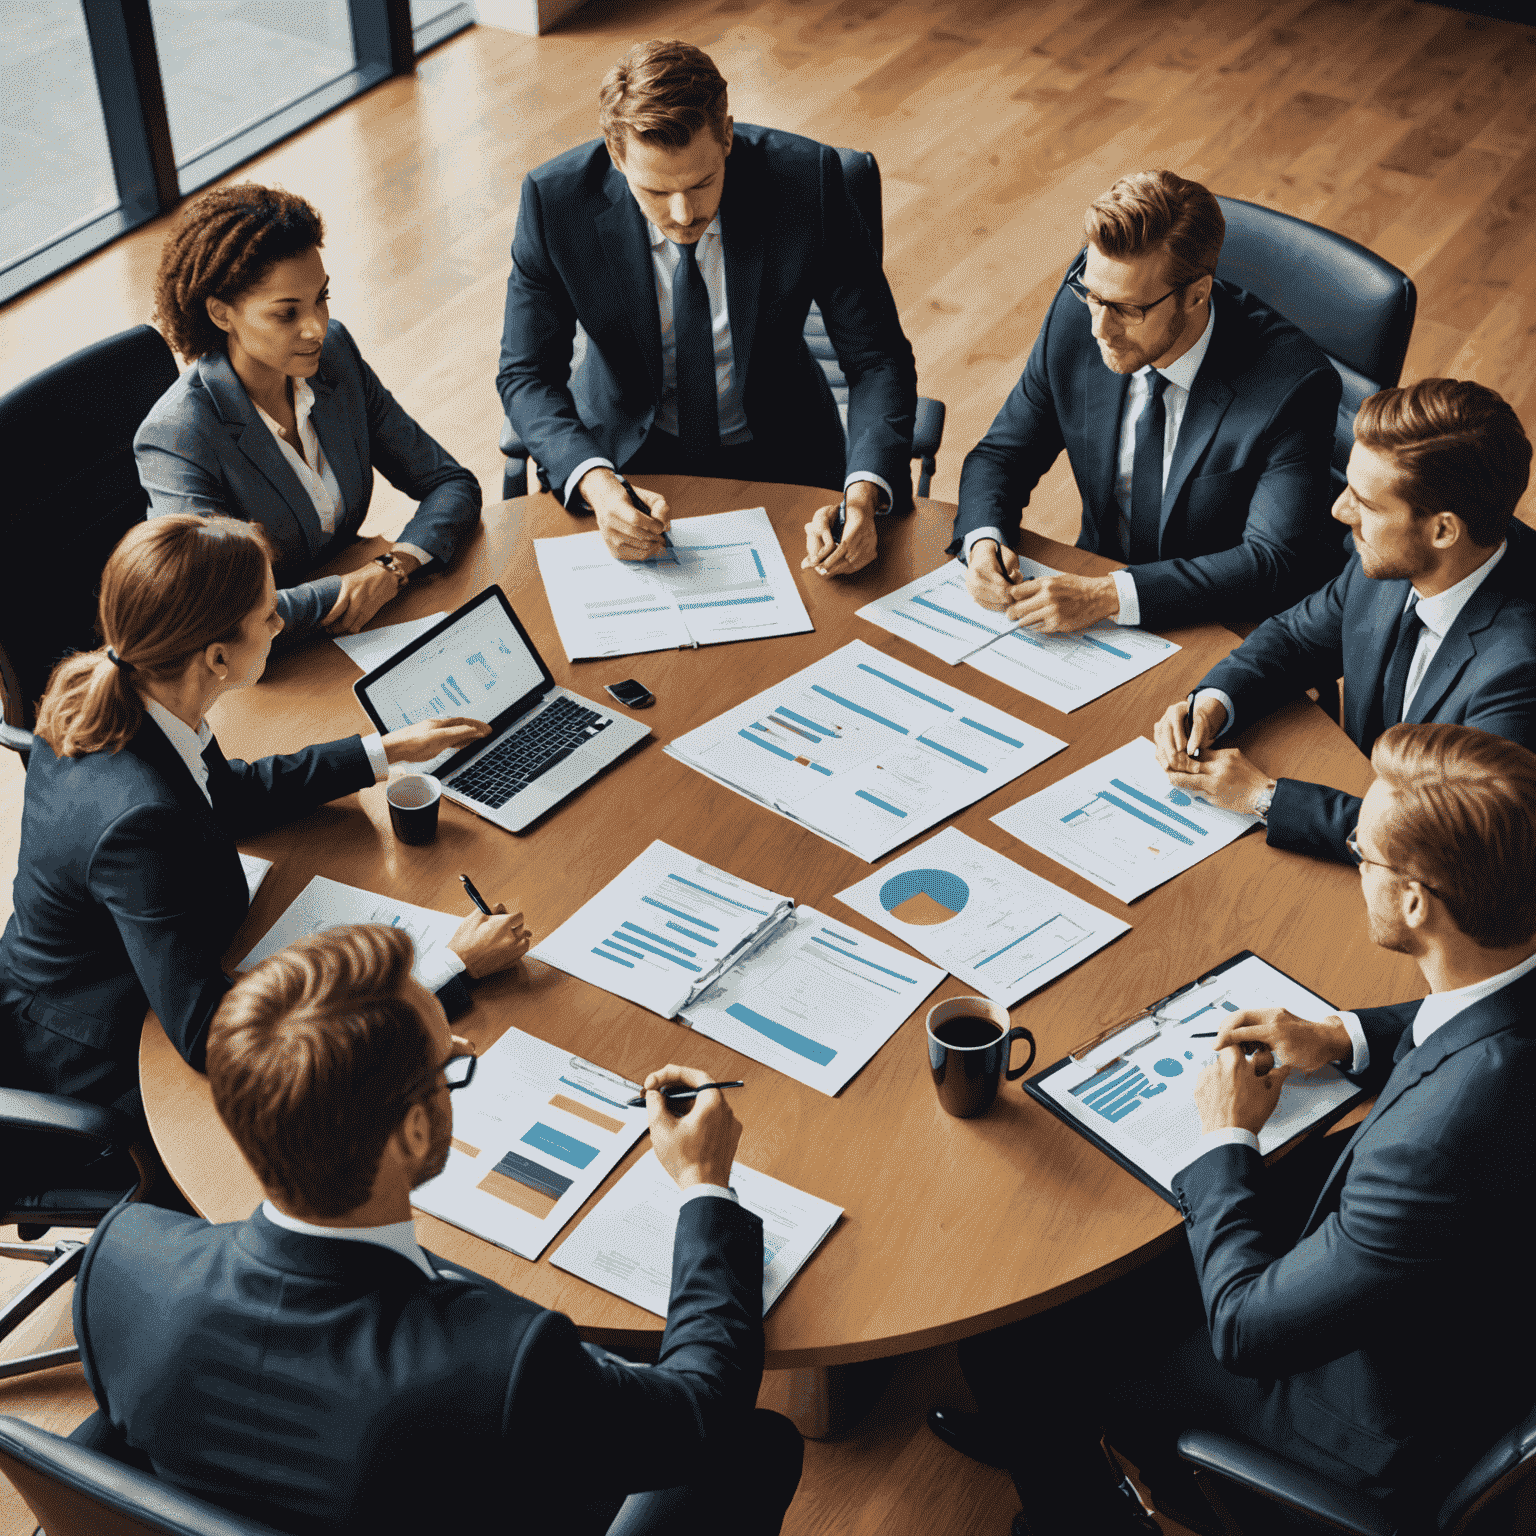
(969, 1043)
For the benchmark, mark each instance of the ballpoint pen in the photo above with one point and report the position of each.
(677, 1095)
(474, 895)
(1189, 727)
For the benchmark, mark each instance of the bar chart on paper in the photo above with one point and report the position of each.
(1119, 824)
(937, 613)
(996, 925)
(1068, 671)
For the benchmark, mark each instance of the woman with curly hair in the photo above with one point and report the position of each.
(279, 420)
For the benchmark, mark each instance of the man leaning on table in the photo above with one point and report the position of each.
(1385, 1346)
(1433, 619)
(1198, 423)
(315, 1368)
(688, 248)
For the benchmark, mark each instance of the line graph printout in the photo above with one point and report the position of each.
(534, 1134)
(1136, 1091)
(938, 614)
(724, 578)
(1119, 824)
(864, 750)
(815, 1001)
(998, 927)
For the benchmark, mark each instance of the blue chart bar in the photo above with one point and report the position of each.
(533, 1175)
(624, 613)
(801, 1045)
(729, 901)
(1072, 816)
(698, 922)
(959, 757)
(1029, 639)
(789, 714)
(1231, 1007)
(698, 938)
(1113, 650)
(916, 693)
(1115, 1099)
(728, 602)
(582, 1088)
(1196, 1014)
(1006, 947)
(858, 709)
(454, 692)
(634, 954)
(884, 970)
(794, 730)
(1159, 807)
(884, 805)
(1151, 821)
(628, 965)
(976, 725)
(687, 965)
(951, 614)
(547, 1139)
(767, 746)
(757, 560)
(912, 618)
(659, 938)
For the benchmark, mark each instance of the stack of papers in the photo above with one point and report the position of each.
(625, 1245)
(534, 1135)
(989, 921)
(256, 870)
(374, 647)
(724, 578)
(1065, 671)
(864, 750)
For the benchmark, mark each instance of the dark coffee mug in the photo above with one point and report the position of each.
(969, 1044)
(413, 801)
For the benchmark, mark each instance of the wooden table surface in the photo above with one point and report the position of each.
(950, 1226)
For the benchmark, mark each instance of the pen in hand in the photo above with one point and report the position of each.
(680, 1095)
(474, 895)
(1189, 729)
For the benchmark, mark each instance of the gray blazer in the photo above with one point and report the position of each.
(204, 449)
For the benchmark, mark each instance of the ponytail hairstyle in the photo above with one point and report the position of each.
(173, 586)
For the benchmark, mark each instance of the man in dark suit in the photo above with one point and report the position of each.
(1385, 1345)
(680, 254)
(314, 1368)
(1198, 423)
(1433, 618)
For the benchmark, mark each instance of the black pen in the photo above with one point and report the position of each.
(474, 895)
(677, 1095)
(1189, 728)
(666, 538)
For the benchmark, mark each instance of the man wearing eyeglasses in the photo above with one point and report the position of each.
(315, 1368)
(1379, 1338)
(1198, 423)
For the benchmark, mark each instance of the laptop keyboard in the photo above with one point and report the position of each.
(537, 747)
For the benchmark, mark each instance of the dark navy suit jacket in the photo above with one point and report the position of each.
(1483, 675)
(329, 1386)
(791, 235)
(203, 448)
(1397, 1325)
(1244, 528)
(128, 891)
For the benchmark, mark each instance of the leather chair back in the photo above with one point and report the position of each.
(66, 437)
(1491, 1482)
(74, 1491)
(1357, 307)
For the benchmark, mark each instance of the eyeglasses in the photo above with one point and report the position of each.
(1131, 314)
(1352, 842)
(458, 1072)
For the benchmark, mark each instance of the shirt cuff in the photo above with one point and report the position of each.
(698, 1191)
(1356, 1031)
(1226, 704)
(573, 479)
(980, 533)
(438, 967)
(1228, 1136)
(864, 474)
(1130, 603)
(422, 555)
(373, 745)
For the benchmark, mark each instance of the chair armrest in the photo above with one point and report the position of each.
(28, 1111)
(927, 428)
(18, 740)
(510, 443)
(1283, 1480)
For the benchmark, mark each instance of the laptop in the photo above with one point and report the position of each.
(545, 741)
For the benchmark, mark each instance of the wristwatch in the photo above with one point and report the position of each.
(1261, 805)
(391, 565)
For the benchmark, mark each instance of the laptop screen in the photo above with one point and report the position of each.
(478, 663)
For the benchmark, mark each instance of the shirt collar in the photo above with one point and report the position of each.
(1182, 370)
(303, 403)
(1441, 1007)
(1442, 610)
(399, 1235)
(658, 239)
(188, 743)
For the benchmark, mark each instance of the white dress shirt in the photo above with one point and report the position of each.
(1438, 1009)
(1438, 613)
(399, 1235)
(665, 260)
(1180, 375)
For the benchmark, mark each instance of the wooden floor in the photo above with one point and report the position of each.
(1408, 127)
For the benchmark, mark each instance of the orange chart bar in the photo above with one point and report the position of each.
(534, 1201)
(591, 1116)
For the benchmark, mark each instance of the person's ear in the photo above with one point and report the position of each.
(218, 312)
(217, 660)
(1415, 904)
(1198, 292)
(1446, 530)
(730, 135)
(415, 1133)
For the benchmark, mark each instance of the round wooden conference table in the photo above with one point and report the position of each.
(950, 1226)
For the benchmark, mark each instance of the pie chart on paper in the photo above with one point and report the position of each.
(924, 897)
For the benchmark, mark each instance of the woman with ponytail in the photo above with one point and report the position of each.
(129, 886)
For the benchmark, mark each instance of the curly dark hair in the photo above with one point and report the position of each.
(223, 244)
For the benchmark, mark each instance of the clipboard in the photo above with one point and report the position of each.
(1129, 1031)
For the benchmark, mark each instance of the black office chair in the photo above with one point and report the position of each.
(1492, 1499)
(76, 1491)
(861, 175)
(1357, 307)
(66, 438)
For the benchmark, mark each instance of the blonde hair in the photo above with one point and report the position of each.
(663, 92)
(1148, 210)
(173, 586)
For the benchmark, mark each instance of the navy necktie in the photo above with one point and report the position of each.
(698, 399)
(1147, 475)
(1395, 684)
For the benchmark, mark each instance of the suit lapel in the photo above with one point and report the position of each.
(1369, 634)
(340, 446)
(742, 238)
(1456, 650)
(625, 244)
(1103, 403)
(1209, 398)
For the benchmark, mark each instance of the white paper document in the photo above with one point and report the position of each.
(256, 870)
(1119, 824)
(989, 921)
(664, 929)
(325, 903)
(724, 578)
(938, 614)
(864, 750)
(815, 1001)
(534, 1134)
(625, 1245)
(374, 647)
(1136, 1090)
